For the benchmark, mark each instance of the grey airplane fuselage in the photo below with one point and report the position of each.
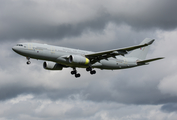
(59, 54)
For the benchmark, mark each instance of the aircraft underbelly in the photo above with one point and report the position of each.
(114, 64)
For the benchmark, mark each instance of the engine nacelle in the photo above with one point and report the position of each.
(77, 59)
(52, 66)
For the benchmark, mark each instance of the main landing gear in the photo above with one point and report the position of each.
(28, 62)
(91, 71)
(74, 72)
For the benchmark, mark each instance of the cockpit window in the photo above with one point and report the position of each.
(19, 45)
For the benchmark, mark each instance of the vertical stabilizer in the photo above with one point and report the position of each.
(141, 52)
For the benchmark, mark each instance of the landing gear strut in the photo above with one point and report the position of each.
(28, 62)
(91, 71)
(74, 72)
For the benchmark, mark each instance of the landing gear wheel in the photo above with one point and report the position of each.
(92, 72)
(28, 62)
(77, 75)
(89, 69)
(73, 72)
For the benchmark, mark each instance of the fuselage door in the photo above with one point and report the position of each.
(52, 50)
(30, 47)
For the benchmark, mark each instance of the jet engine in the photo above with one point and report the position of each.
(77, 59)
(52, 66)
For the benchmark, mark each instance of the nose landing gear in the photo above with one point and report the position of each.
(28, 62)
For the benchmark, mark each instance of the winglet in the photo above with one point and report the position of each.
(149, 43)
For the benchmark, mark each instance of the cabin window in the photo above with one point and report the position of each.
(19, 45)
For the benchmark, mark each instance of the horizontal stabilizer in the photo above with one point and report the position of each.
(149, 60)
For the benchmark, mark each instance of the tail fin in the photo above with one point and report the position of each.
(141, 52)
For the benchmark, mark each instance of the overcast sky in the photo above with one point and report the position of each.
(142, 93)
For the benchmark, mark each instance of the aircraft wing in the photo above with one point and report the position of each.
(97, 56)
(144, 62)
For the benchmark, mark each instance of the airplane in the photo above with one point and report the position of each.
(57, 58)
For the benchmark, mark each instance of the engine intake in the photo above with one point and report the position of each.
(52, 66)
(77, 59)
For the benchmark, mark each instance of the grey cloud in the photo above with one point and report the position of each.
(22, 19)
(119, 88)
(169, 107)
(25, 106)
(48, 32)
(113, 36)
(127, 90)
(10, 91)
(111, 27)
(148, 14)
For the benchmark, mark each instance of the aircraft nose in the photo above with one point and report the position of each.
(14, 48)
